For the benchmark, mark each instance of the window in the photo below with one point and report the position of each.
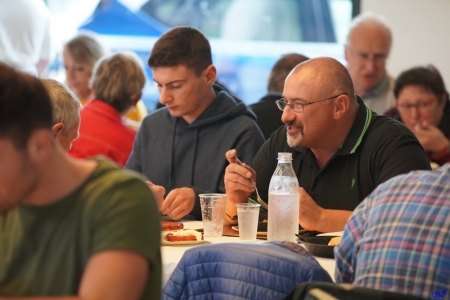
(247, 36)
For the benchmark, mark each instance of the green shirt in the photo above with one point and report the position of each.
(44, 250)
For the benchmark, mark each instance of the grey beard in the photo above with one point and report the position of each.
(294, 141)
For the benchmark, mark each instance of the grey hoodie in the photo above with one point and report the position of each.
(174, 154)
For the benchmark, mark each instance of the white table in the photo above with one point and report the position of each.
(171, 255)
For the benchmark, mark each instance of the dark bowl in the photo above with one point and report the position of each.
(318, 245)
(262, 227)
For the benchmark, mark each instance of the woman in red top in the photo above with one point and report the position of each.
(117, 82)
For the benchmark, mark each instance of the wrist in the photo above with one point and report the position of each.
(231, 211)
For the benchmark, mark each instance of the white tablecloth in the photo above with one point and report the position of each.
(171, 255)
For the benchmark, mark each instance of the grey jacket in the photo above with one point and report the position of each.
(174, 154)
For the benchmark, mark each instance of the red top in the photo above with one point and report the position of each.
(102, 132)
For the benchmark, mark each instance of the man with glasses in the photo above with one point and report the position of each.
(366, 50)
(341, 150)
(268, 117)
(423, 106)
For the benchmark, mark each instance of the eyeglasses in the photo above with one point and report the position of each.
(298, 106)
(375, 58)
(364, 57)
(422, 106)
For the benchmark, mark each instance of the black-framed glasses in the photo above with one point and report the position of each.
(297, 106)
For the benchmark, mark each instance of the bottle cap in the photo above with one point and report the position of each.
(284, 156)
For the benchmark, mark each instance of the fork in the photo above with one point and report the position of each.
(260, 201)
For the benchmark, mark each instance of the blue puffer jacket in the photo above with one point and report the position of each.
(242, 271)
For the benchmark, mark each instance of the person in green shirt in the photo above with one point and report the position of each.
(72, 229)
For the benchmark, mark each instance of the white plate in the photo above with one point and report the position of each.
(182, 243)
(261, 233)
(337, 233)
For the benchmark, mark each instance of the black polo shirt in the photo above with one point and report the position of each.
(376, 149)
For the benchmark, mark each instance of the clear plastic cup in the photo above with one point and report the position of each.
(248, 214)
(213, 212)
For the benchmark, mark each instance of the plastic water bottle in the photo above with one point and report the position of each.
(284, 200)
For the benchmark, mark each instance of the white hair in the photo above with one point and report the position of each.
(369, 18)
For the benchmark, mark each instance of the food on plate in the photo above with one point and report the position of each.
(183, 236)
(434, 165)
(335, 241)
(171, 225)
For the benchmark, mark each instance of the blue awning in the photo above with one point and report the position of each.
(116, 19)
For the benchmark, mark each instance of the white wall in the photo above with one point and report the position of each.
(421, 33)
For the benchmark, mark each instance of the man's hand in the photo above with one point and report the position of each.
(238, 185)
(431, 138)
(178, 203)
(310, 213)
(237, 179)
(158, 192)
(314, 217)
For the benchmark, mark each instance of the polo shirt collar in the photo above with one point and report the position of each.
(357, 132)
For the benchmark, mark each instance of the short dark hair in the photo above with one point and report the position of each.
(24, 106)
(182, 45)
(427, 77)
(281, 70)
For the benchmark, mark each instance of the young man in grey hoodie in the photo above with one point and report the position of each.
(182, 146)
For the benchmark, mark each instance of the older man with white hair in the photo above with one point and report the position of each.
(367, 48)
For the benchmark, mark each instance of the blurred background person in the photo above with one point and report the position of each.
(423, 105)
(367, 48)
(25, 35)
(66, 113)
(80, 55)
(117, 82)
(69, 228)
(268, 116)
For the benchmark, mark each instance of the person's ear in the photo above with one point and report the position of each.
(39, 146)
(210, 74)
(346, 53)
(57, 128)
(341, 106)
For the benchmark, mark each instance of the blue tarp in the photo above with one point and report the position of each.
(116, 19)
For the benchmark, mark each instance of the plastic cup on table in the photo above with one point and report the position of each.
(248, 214)
(213, 214)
